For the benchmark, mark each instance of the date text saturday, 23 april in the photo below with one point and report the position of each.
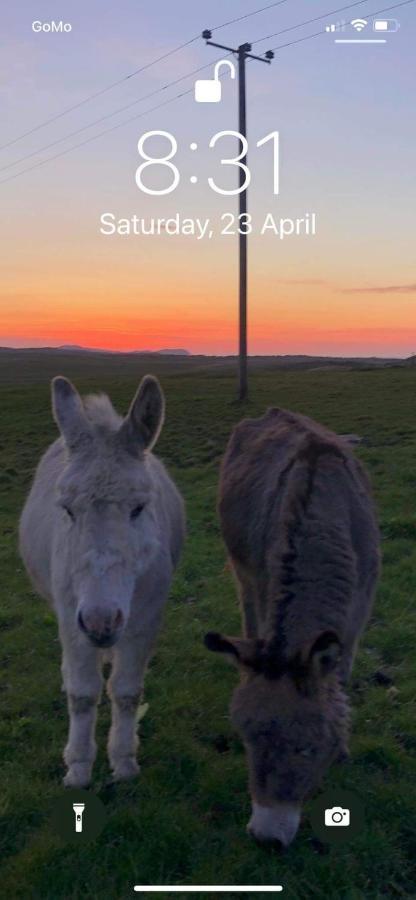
(228, 224)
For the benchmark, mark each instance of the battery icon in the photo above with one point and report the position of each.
(386, 25)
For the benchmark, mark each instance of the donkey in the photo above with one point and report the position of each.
(298, 521)
(100, 535)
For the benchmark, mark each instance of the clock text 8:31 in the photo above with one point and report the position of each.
(236, 161)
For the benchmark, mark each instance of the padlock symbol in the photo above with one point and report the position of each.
(211, 91)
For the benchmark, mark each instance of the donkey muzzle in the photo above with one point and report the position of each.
(274, 824)
(101, 628)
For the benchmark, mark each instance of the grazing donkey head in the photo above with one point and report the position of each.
(105, 494)
(292, 716)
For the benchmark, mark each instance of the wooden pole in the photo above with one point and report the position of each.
(242, 111)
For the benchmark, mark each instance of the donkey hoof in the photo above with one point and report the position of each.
(78, 775)
(125, 768)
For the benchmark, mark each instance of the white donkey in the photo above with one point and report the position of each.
(100, 535)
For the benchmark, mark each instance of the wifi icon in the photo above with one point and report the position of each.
(359, 24)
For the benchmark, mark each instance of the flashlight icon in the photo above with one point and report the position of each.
(78, 810)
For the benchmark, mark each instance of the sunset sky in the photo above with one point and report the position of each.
(348, 132)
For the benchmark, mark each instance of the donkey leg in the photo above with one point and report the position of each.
(130, 657)
(83, 686)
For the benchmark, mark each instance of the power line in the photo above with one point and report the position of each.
(109, 115)
(177, 97)
(188, 75)
(96, 94)
(173, 83)
(138, 71)
(94, 137)
(248, 15)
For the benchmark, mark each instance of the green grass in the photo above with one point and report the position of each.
(183, 821)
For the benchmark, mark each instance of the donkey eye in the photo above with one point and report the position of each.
(136, 511)
(69, 512)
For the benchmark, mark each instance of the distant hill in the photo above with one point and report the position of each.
(165, 352)
(168, 352)
(77, 348)
(69, 347)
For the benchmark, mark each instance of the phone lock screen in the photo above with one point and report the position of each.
(207, 449)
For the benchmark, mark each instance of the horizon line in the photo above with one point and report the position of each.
(183, 352)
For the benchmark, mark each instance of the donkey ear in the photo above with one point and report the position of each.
(324, 654)
(68, 411)
(243, 651)
(143, 423)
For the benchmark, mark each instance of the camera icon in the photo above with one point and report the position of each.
(337, 816)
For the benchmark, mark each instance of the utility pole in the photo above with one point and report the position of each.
(243, 52)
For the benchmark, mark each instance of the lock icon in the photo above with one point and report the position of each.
(211, 91)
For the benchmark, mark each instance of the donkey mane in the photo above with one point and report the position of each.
(100, 412)
(283, 557)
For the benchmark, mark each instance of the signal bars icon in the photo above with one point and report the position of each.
(335, 26)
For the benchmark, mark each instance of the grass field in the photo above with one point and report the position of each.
(183, 821)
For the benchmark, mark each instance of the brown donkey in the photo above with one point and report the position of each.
(298, 521)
